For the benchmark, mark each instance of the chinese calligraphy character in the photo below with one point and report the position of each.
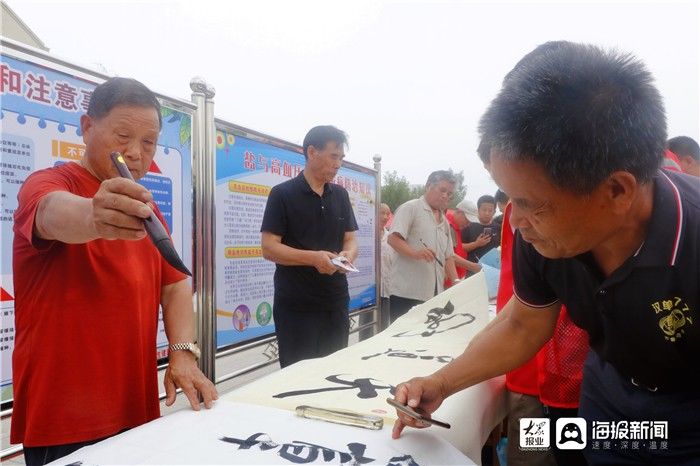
(249, 160)
(303, 452)
(366, 388)
(405, 354)
(85, 101)
(437, 316)
(65, 96)
(38, 88)
(10, 80)
(405, 460)
(275, 166)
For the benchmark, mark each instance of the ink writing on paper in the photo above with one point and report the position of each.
(435, 319)
(366, 387)
(392, 353)
(299, 452)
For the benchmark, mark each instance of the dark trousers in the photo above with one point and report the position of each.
(38, 456)
(562, 457)
(398, 306)
(608, 396)
(382, 319)
(365, 319)
(307, 334)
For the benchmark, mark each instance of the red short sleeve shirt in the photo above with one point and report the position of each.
(86, 316)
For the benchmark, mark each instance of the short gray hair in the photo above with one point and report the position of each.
(441, 175)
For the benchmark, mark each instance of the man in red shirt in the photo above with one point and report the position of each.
(464, 213)
(88, 284)
(686, 152)
(549, 382)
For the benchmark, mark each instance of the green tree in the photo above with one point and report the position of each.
(395, 190)
(460, 188)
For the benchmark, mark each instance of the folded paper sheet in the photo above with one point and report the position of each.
(233, 433)
(361, 377)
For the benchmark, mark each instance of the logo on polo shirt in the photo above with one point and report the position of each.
(675, 314)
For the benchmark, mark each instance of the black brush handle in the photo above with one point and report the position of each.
(156, 231)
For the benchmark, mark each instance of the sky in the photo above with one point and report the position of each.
(407, 80)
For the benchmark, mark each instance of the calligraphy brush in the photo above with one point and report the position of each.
(156, 231)
(434, 255)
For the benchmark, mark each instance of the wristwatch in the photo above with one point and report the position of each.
(191, 347)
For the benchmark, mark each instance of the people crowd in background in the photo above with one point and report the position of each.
(501, 202)
(459, 218)
(387, 254)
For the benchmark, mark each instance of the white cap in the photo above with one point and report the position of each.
(469, 209)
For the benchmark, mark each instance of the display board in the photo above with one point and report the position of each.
(246, 170)
(40, 120)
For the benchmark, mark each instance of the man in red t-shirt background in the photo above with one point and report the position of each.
(463, 214)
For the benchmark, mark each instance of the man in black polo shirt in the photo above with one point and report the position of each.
(576, 137)
(307, 222)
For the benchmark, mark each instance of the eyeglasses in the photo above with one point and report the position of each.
(444, 191)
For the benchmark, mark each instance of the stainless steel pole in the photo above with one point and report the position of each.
(199, 170)
(379, 317)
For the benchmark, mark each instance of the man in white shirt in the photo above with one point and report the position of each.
(420, 234)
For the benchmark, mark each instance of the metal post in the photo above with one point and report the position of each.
(208, 317)
(379, 317)
(201, 264)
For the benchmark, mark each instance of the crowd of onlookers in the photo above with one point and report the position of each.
(426, 246)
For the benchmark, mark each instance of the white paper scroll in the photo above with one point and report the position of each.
(233, 433)
(246, 425)
(361, 377)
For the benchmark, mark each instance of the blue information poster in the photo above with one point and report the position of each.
(40, 121)
(246, 170)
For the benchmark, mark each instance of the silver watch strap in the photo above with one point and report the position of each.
(180, 347)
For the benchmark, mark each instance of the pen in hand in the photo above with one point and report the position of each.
(434, 255)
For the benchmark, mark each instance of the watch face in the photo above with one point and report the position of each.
(195, 350)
